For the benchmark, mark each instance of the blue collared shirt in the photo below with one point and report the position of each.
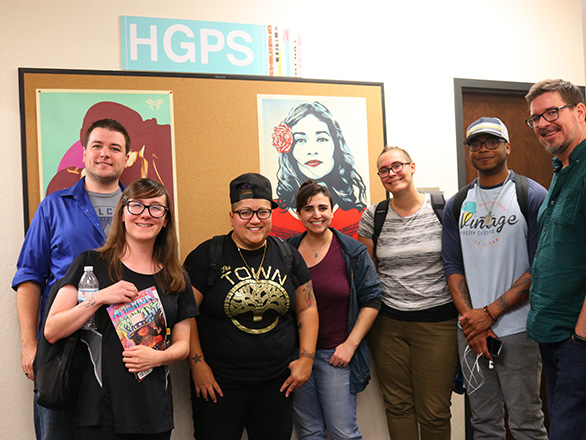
(65, 225)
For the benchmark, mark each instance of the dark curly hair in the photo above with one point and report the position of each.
(345, 184)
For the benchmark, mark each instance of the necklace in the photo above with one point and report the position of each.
(316, 254)
(255, 275)
(488, 216)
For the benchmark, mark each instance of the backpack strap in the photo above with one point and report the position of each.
(522, 189)
(380, 214)
(215, 253)
(285, 250)
(438, 202)
(459, 199)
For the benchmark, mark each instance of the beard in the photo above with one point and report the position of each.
(556, 148)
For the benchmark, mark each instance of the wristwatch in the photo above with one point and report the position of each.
(579, 339)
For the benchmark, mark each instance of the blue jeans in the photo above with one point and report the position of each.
(52, 425)
(324, 402)
(564, 365)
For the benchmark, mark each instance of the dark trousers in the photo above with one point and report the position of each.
(102, 432)
(260, 408)
(564, 365)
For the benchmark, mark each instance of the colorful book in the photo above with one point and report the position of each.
(141, 321)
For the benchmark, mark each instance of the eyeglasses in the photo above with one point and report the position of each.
(549, 115)
(491, 144)
(262, 214)
(395, 168)
(137, 208)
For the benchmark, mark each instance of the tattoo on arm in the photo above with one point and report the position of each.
(308, 295)
(300, 324)
(464, 292)
(521, 296)
(196, 358)
(307, 354)
(89, 302)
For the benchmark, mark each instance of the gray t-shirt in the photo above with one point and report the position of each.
(105, 205)
(409, 258)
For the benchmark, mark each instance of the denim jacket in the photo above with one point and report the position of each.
(365, 290)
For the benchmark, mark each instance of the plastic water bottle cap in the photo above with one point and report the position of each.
(88, 268)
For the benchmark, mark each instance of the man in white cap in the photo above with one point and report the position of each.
(488, 244)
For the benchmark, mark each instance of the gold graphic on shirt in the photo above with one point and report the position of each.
(256, 297)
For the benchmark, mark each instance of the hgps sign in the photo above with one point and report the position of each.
(160, 44)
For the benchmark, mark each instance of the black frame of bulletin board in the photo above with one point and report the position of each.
(213, 114)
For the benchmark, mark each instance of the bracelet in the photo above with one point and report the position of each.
(488, 315)
(579, 339)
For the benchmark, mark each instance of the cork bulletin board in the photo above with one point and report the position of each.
(209, 126)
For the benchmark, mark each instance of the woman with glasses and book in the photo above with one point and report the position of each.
(255, 338)
(124, 389)
(348, 292)
(413, 340)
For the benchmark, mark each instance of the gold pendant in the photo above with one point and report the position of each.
(487, 218)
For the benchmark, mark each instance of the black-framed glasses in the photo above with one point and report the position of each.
(395, 168)
(262, 213)
(137, 208)
(491, 144)
(549, 115)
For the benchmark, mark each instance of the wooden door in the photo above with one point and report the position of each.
(528, 156)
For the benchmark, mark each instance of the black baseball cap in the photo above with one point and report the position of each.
(260, 188)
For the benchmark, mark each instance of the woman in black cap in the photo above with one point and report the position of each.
(256, 306)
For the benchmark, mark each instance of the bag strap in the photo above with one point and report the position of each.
(380, 214)
(438, 202)
(215, 253)
(285, 250)
(522, 189)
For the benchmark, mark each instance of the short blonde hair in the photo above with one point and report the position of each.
(387, 149)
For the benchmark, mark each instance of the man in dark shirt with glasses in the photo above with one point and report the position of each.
(557, 319)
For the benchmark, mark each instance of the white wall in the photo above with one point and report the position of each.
(416, 48)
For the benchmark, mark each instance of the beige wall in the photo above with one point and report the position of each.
(415, 48)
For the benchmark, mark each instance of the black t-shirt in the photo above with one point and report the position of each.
(108, 393)
(247, 328)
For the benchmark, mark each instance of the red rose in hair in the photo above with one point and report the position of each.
(282, 138)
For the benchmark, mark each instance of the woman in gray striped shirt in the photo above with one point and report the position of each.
(413, 341)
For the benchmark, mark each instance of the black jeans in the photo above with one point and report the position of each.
(260, 408)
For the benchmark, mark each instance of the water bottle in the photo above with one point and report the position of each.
(88, 285)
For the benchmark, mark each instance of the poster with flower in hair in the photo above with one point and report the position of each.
(140, 322)
(321, 138)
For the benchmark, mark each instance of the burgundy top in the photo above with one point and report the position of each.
(332, 292)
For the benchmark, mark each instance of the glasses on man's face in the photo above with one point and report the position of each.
(262, 214)
(491, 144)
(137, 208)
(549, 115)
(395, 168)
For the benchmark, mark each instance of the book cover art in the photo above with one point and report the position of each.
(140, 322)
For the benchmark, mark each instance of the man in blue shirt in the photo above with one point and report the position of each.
(66, 223)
